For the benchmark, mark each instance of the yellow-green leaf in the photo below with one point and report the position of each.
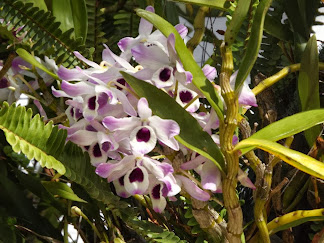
(297, 159)
(218, 4)
(31, 59)
(294, 218)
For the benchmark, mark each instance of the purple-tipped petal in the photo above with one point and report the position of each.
(82, 58)
(157, 199)
(70, 74)
(128, 108)
(83, 137)
(184, 77)
(165, 131)
(125, 43)
(193, 189)
(194, 163)
(143, 139)
(145, 27)
(182, 30)
(210, 72)
(76, 89)
(153, 168)
(143, 109)
(245, 180)
(127, 123)
(210, 177)
(120, 188)
(247, 97)
(136, 180)
(150, 56)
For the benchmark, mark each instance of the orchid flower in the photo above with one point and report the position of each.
(145, 130)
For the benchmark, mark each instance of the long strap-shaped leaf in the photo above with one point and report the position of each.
(218, 4)
(199, 79)
(289, 126)
(294, 218)
(31, 136)
(191, 133)
(298, 160)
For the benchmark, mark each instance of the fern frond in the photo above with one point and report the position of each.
(42, 32)
(152, 232)
(96, 36)
(32, 136)
(46, 143)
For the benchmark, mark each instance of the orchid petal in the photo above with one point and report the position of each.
(70, 74)
(157, 199)
(163, 77)
(210, 72)
(194, 163)
(182, 30)
(193, 189)
(125, 43)
(143, 139)
(136, 180)
(127, 123)
(143, 109)
(120, 188)
(245, 180)
(165, 131)
(145, 27)
(83, 137)
(76, 89)
(82, 58)
(211, 177)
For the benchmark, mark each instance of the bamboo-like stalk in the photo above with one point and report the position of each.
(227, 129)
(199, 26)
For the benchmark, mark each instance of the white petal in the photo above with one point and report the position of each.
(136, 180)
(142, 139)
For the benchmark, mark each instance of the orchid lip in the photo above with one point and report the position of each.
(92, 103)
(185, 96)
(165, 74)
(136, 175)
(143, 135)
(156, 191)
(96, 151)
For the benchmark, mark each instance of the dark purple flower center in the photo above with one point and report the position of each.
(122, 82)
(105, 146)
(92, 103)
(165, 191)
(78, 113)
(143, 135)
(156, 191)
(136, 175)
(96, 151)
(121, 180)
(87, 147)
(4, 83)
(90, 128)
(185, 96)
(165, 74)
(102, 99)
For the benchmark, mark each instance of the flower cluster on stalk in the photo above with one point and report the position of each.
(119, 130)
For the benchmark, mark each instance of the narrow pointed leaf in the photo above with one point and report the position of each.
(62, 190)
(219, 4)
(30, 58)
(297, 159)
(191, 134)
(294, 219)
(289, 126)
(189, 63)
(238, 17)
(308, 85)
(254, 43)
(80, 19)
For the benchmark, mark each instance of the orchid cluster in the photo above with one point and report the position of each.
(118, 129)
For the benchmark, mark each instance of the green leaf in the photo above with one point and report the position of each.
(191, 134)
(31, 59)
(72, 14)
(308, 85)
(37, 3)
(189, 63)
(32, 136)
(254, 43)
(274, 27)
(288, 126)
(294, 218)
(219, 4)
(238, 17)
(62, 190)
(297, 159)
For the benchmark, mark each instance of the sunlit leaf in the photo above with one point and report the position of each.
(191, 134)
(289, 126)
(31, 59)
(294, 218)
(296, 159)
(62, 190)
